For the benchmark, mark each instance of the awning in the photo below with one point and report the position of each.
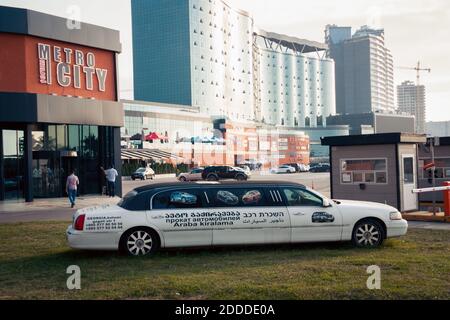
(155, 136)
(148, 155)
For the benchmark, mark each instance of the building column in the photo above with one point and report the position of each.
(117, 158)
(28, 161)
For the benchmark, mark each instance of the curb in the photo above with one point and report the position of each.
(158, 176)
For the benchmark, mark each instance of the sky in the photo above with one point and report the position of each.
(414, 30)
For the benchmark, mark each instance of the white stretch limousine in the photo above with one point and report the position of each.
(229, 213)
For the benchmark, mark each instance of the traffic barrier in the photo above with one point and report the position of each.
(446, 190)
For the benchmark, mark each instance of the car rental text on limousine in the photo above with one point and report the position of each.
(169, 215)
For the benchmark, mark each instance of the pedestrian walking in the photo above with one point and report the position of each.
(72, 187)
(111, 175)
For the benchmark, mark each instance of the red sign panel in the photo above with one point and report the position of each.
(36, 65)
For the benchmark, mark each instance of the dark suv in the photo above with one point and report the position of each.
(215, 173)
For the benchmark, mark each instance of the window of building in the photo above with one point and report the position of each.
(370, 171)
(442, 168)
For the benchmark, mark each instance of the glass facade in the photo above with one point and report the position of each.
(295, 90)
(58, 149)
(12, 164)
(232, 72)
(173, 123)
(221, 60)
(161, 46)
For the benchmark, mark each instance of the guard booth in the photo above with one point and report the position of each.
(375, 167)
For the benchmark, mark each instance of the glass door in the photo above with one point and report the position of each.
(13, 164)
(408, 176)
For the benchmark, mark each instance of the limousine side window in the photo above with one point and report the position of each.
(301, 197)
(177, 199)
(252, 197)
(134, 201)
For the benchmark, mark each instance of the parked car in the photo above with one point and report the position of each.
(320, 167)
(296, 166)
(193, 175)
(283, 169)
(143, 174)
(246, 169)
(299, 167)
(216, 173)
(149, 218)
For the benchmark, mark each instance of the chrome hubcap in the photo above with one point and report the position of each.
(367, 235)
(139, 243)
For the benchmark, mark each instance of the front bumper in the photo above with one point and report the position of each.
(397, 228)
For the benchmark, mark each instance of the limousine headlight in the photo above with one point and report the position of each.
(395, 215)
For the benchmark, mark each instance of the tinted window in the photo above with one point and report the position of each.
(301, 197)
(250, 197)
(134, 201)
(178, 199)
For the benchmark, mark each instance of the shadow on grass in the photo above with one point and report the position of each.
(184, 258)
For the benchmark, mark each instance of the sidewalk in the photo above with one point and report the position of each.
(47, 209)
(425, 216)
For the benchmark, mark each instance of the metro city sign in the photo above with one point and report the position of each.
(73, 68)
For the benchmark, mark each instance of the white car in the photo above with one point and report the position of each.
(169, 215)
(283, 169)
(244, 169)
(143, 174)
(193, 175)
(304, 167)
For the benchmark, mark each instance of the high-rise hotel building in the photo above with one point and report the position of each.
(411, 100)
(208, 55)
(364, 70)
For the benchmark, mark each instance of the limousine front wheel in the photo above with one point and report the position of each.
(368, 233)
(140, 242)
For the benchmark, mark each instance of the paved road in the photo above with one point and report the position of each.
(429, 225)
(58, 209)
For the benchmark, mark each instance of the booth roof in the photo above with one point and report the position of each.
(370, 139)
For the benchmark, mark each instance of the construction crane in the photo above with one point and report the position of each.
(418, 69)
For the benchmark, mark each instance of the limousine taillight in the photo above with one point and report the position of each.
(79, 222)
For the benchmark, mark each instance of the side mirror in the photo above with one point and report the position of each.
(326, 203)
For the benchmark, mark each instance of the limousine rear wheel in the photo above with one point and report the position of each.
(368, 233)
(140, 242)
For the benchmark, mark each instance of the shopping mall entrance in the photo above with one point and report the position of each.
(35, 160)
(50, 171)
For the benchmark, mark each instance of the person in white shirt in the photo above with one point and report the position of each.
(111, 175)
(71, 188)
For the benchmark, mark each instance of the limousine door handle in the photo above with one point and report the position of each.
(298, 214)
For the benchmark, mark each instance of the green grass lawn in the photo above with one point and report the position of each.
(34, 258)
